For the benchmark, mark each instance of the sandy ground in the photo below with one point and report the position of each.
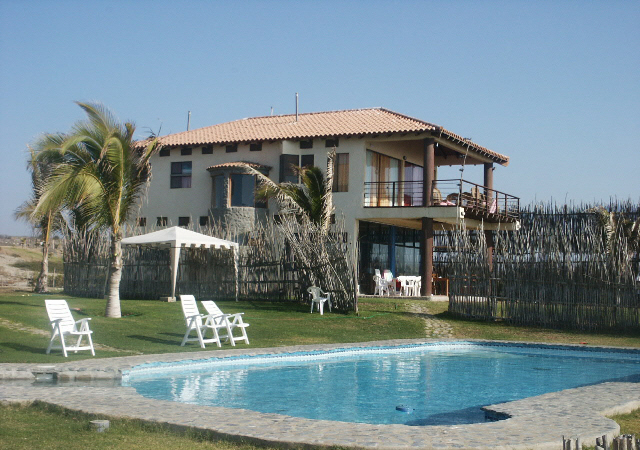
(12, 277)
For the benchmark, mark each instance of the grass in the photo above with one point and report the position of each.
(156, 327)
(47, 426)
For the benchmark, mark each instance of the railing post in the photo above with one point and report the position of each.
(393, 193)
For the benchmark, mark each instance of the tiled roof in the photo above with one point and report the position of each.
(239, 164)
(354, 122)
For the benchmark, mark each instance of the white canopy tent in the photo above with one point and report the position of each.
(176, 238)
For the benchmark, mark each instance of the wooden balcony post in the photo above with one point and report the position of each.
(488, 183)
(428, 170)
(426, 256)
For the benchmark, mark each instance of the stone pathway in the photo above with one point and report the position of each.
(433, 327)
(533, 423)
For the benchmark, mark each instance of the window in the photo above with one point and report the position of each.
(232, 148)
(381, 180)
(185, 151)
(207, 150)
(204, 221)
(287, 171)
(161, 221)
(306, 144)
(341, 173)
(180, 175)
(255, 147)
(331, 142)
(219, 199)
(142, 221)
(306, 161)
(412, 195)
(165, 152)
(243, 191)
(184, 221)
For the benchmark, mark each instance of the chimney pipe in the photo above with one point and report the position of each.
(296, 107)
(188, 120)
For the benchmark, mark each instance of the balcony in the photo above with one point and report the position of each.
(479, 202)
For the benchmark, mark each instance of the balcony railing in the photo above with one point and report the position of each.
(475, 198)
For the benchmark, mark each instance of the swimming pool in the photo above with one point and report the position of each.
(425, 384)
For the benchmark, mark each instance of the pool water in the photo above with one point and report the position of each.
(444, 383)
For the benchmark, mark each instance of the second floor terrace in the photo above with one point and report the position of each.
(478, 202)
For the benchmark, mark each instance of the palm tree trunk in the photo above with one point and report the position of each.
(42, 281)
(115, 273)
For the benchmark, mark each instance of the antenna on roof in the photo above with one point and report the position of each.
(296, 107)
(272, 110)
(188, 120)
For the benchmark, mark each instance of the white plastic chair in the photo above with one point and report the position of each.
(232, 321)
(405, 285)
(318, 297)
(62, 324)
(382, 287)
(201, 323)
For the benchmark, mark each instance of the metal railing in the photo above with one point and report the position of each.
(473, 197)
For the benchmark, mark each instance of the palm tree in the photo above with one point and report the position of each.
(101, 173)
(311, 200)
(48, 221)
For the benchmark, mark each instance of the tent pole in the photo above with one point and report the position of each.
(235, 267)
(175, 259)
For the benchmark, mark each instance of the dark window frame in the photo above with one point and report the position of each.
(164, 152)
(184, 221)
(181, 178)
(186, 151)
(162, 221)
(255, 147)
(141, 222)
(306, 144)
(234, 194)
(341, 173)
(231, 148)
(207, 149)
(204, 221)
(332, 142)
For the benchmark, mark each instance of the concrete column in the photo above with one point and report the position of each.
(428, 169)
(488, 179)
(392, 250)
(488, 236)
(426, 256)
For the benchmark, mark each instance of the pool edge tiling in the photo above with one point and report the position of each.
(535, 422)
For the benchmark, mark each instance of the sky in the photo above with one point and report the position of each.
(555, 85)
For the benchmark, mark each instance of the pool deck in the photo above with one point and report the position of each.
(534, 423)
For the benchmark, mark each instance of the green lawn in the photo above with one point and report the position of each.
(157, 327)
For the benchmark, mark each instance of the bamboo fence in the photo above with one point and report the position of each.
(276, 262)
(556, 271)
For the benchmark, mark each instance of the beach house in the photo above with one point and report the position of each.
(388, 184)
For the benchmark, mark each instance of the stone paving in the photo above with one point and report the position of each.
(534, 423)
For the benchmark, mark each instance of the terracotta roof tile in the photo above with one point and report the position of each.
(355, 122)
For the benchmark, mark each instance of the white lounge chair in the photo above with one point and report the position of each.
(201, 323)
(233, 321)
(318, 298)
(62, 324)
